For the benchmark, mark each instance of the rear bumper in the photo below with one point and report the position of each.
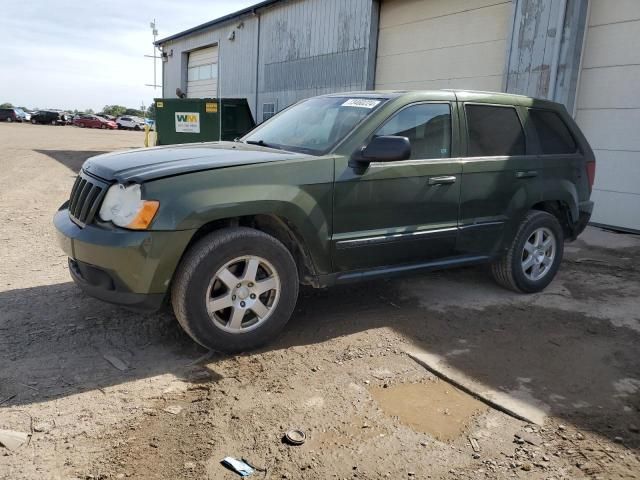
(131, 268)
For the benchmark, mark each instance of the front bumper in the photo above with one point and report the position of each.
(130, 268)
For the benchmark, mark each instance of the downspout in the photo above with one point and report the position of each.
(556, 50)
(255, 12)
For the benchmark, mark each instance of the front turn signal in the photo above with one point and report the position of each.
(145, 216)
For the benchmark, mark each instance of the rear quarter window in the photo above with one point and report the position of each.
(553, 134)
(494, 131)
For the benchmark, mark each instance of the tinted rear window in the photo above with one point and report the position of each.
(494, 131)
(553, 134)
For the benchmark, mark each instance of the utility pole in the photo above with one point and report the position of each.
(155, 57)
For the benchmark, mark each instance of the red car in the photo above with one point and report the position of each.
(93, 121)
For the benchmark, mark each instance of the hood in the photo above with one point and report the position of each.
(141, 165)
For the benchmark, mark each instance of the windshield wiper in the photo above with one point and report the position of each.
(261, 143)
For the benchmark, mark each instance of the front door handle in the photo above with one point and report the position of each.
(441, 180)
(527, 174)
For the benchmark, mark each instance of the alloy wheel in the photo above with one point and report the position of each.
(538, 254)
(243, 294)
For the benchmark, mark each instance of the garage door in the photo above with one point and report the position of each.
(202, 73)
(608, 110)
(426, 44)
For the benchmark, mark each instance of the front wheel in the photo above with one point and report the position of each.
(533, 259)
(235, 289)
(9, 119)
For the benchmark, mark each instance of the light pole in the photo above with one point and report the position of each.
(154, 31)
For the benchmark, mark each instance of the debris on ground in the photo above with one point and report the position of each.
(173, 409)
(116, 362)
(295, 437)
(238, 466)
(12, 440)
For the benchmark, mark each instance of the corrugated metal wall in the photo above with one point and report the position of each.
(237, 61)
(313, 47)
(305, 48)
(546, 43)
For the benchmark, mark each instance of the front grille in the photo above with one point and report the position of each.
(86, 196)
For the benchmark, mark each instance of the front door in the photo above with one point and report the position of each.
(402, 212)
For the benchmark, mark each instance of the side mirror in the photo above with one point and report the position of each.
(385, 149)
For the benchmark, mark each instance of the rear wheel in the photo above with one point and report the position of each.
(33, 121)
(9, 119)
(533, 259)
(235, 289)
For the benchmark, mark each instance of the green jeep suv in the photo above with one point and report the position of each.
(334, 189)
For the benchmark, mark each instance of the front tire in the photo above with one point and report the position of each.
(235, 289)
(533, 259)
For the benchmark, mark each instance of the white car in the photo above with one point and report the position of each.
(130, 123)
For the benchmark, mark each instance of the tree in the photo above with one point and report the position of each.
(6, 105)
(133, 112)
(151, 111)
(115, 110)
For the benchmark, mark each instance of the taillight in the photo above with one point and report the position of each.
(591, 173)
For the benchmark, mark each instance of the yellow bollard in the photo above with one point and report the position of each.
(146, 135)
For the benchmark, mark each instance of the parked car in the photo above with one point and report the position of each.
(93, 121)
(334, 189)
(106, 117)
(130, 123)
(26, 116)
(52, 117)
(10, 115)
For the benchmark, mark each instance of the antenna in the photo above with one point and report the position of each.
(154, 32)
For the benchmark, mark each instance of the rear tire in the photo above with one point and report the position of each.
(218, 296)
(533, 259)
(9, 119)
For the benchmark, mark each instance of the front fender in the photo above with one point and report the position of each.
(299, 191)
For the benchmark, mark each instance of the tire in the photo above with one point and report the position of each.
(102, 127)
(197, 280)
(34, 122)
(512, 270)
(9, 119)
(137, 128)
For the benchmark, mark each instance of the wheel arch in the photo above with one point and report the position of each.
(561, 210)
(276, 226)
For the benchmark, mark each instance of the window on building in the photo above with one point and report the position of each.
(494, 131)
(553, 134)
(268, 111)
(203, 72)
(426, 125)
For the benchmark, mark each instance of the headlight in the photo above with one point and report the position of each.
(125, 208)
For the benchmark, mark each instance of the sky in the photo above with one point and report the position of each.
(80, 54)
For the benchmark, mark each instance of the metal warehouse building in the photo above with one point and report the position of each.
(578, 52)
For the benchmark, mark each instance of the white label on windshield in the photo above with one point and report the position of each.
(361, 103)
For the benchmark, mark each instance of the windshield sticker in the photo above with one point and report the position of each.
(361, 103)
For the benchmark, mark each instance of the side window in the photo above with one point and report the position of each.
(426, 125)
(553, 134)
(494, 131)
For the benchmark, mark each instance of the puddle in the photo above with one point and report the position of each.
(435, 408)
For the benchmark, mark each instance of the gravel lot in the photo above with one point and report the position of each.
(339, 372)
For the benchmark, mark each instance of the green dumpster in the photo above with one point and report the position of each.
(191, 120)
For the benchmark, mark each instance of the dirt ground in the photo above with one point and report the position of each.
(107, 394)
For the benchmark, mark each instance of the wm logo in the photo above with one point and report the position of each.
(186, 117)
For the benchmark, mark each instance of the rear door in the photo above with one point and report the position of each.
(403, 212)
(501, 178)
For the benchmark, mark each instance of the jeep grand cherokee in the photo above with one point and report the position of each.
(333, 189)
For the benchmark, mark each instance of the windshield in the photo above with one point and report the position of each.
(314, 126)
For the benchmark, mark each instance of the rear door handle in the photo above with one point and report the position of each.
(527, 174)
(441, 180)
